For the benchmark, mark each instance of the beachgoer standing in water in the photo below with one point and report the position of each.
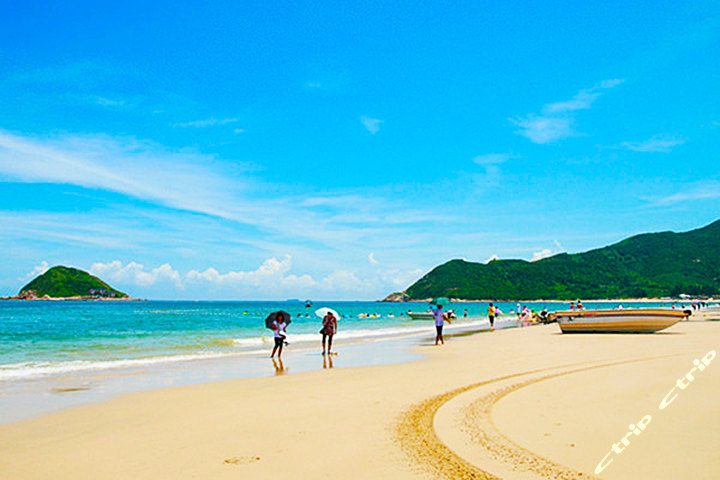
(440, 318)
(491, 316)
(328, 330)
(279, 334)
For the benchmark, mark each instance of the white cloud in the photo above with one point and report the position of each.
(493, 158)
(271, 272)
(582, 101)
(135, 273)
(140, 169)
(398, 279)
(545, 129)
(107, 102)
(198, 183)
(38, 270)
(342, 280)
(346, 224)
(690, 193)
(371, 124)
(371, 258)
(272, 279)
(493, 257)
(209, 122)
(557, 119)
(661, 143)
(491, 164)
(544, 253)
(547, 252)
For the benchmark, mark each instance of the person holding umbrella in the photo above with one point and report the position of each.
(278, 322)
(329, 327)
(440, 318)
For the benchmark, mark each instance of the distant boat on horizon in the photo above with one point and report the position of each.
(638, 320)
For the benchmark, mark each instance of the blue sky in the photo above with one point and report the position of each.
(248, 150)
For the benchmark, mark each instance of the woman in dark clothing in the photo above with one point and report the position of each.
(328, 330)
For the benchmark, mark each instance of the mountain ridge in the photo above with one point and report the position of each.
(645, 265)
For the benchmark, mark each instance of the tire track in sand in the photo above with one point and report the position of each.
(416, 434)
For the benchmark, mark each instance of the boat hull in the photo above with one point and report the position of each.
(642, 320)
(421, 315)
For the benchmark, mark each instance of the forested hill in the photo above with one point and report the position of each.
(648, 265)
(60, 282)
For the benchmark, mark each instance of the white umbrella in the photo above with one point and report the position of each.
(321, 312)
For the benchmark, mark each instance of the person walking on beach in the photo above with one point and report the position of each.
(491, 316)
(440, 318)
(328, 330)
(279, 335)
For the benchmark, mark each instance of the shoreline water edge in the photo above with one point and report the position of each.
(526, 403)
(62, 354)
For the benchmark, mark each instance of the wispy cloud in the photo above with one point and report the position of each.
(490, 163)
(545, 129)
(38, 270)
(135, 273)
(689, 193)
(139, 169)
(273, 277)
(544, 253)
(209, 122)
(662, 143)
(371, 124)
(493, 158)
(371, 258)
(107, 102)
(271, 272)
(189, 182)
(556, 120)
(548, 252)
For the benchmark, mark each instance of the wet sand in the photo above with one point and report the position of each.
(518, 403)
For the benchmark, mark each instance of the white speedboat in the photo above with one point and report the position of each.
(638, 320)
(421, 315)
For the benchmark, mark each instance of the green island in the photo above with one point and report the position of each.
(654, 265)
(68, 283)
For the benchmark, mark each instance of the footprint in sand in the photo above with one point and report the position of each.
(241, 460)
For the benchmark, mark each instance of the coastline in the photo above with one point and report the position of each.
(74, 299)
(587, 300)
(58, 388)
(558, 401)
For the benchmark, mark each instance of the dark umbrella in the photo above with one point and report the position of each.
(279, 315)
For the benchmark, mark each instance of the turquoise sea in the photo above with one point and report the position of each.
(113, 347)
(55, 338)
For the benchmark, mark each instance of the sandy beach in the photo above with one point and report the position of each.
(521, 403)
